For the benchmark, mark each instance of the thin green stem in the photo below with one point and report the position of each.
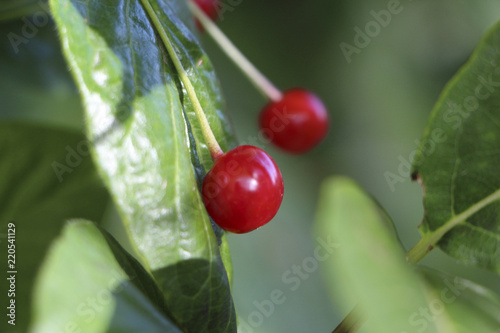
(420, 250)
(254, 75)
(353, 321)
(213, 145)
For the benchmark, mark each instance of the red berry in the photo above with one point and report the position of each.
(210, 8)
(243, 190)
(297, 122)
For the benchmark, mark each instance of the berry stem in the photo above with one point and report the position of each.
(254, 75)
(213, 145)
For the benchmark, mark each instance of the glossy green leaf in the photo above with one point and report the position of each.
(202, 75)
(468, 306)
(457, 162)
(369, 263)
(88, 283)
(148, 146)
(47, 176)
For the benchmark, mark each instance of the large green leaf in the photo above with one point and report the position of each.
(148, 147)
(47, 176)
(88, 283)
(470, 307)
(369, 263)
(457, 162)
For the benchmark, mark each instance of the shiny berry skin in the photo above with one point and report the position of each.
(243, 190)
(297, 122)
(210, 8)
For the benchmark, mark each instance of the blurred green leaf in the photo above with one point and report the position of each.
(457, 162)
(35, 84)
(88, 283)
(149, 149)
(47, 178)
(369, 262)
(13, 9)
(470, 307)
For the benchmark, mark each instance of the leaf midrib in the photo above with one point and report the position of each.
(199, 204)
(155, 21)
(432, 238)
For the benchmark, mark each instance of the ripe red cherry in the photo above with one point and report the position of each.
(243, 190)
(297, 122)
(210, 8)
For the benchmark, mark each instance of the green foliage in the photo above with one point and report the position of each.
(148, 147)
(50, 178)
(469, 307)
(457, 165)
(457, 162)
(369, 262)
(12, 9)
(370, 265)
(90, 284)
(35, 84)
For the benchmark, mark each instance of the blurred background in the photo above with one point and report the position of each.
(379, 99)
(378, 102)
